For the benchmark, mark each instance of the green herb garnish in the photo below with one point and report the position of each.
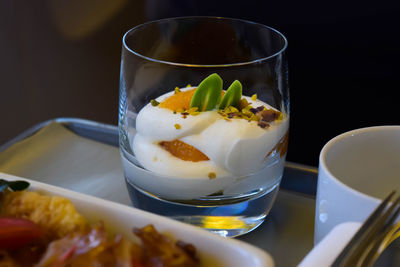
(232, 95)
(13, 185)
(208, 94)
(154, 102)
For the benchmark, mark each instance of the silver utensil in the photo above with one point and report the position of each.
(375, 235)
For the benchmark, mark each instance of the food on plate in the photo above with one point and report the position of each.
(43, 230)
(55, 214)
(206, 132)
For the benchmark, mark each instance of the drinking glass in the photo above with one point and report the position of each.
(171, 54)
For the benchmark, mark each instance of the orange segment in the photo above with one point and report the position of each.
(183, 151)
(180, 100)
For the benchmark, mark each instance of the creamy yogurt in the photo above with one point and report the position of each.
(236, 149)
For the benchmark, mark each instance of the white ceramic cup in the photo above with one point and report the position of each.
(356, 170)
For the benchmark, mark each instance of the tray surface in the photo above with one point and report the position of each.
(83, 156)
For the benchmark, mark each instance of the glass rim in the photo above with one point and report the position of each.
(204, 65)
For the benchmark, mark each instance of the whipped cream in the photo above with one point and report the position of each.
(235, 147)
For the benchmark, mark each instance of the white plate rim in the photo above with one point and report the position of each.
(239, 251)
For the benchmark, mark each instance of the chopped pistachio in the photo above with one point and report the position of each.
(254, 118)
(177, 90)
(177, 126)
(212, 175)
(193, 109)
(233, 109)
(154, 102)
(243, 103)
(254, 97)
(246, 111)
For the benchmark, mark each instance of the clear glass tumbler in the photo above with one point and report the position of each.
(218, 168)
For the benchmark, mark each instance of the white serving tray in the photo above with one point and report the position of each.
(213, 250)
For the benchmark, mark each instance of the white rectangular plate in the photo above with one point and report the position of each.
(213, 250)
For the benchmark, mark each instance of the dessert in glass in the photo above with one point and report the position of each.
(204, 119)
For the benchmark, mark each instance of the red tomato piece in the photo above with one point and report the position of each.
(16, 233)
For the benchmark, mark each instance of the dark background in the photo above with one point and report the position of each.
(60, 58)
